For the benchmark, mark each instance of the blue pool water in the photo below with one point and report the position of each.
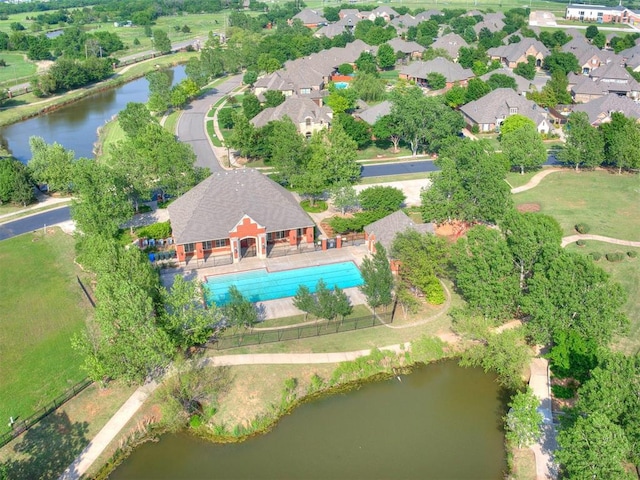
(260, 285)
(341, 85)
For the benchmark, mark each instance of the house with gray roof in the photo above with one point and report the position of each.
(631, 57)
(372, 114)
(493, 25)
(386, 229)
(305, 114)
(410, 49)
(237, 213)
(610, 78)
(491, 110)
(589, 56)
(600, 109)
(451, 43)
(310, 18)
(427, 14)
(382, 12)
(515, 53)
(347, 23)
(452, 72)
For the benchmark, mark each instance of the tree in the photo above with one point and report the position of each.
(500, 80)
(134, 118)
(358, 131)
(593, 447)
(524, 148)
(621, 136)
(345, 69)
(386, 57)
(250, 105)
(385, 198)
(456, 96)
(183, 92)
(436, 81)
(484, 273)
(15, 184)
(591, 32)
(476, 89)
(186, 318)
(161, 41)
(225, 118)
(159, 91)
(515, 122)
(289, 150)
(366, 62)
(523, 421)
(424, 121)
(273, 98)
(239, 311)
(304, 300)
(51, 165)
(470, 185)
(250, 77)
(584, 145)
(599, 40)
(369, 87)
(344, 197)
(564, 62)
(388, 127)
(504, 353)
(526, 69)
(378, 279)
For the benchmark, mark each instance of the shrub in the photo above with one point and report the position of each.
(595, 256)
(195, 421)
(581, 243)
(582, 228)
(157, 230)
(144, 209)
(560, 391)
(388, 199)
(632, 254)
(357, 222)
(475, 129)
(615, 256)
(225, 118)
(434, 291)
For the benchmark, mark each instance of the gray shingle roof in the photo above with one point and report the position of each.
(600, 109)
(309, 16)
(211, 209)
(496, 106)
(403, 46)
(372, 114)
(516, 50)
(522, 83)
(298, 109)
(451, 42)
(386, 228)
(453, 72)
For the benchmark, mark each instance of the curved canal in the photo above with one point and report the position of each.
(440, 422)
(75, 126)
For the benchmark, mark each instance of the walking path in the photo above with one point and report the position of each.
(543, 450)
(536, 179)
(574, 238)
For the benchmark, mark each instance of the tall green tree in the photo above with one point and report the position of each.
(386, 57)
(621, 142)
(134, 118)
(159, 91)
(239, 311)
(51, 165)
(369, 87)
(584, 146)
(378, 279)
(161, 41)
(388, 127)
(288, 150)
(523, 421)
(15, 183)
(524, 148)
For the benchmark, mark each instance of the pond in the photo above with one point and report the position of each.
(75, 126)
(439, 422)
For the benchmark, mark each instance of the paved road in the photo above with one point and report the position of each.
(191, 127)
(34, 222)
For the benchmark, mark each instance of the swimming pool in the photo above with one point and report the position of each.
(261, 285)
(341, 85)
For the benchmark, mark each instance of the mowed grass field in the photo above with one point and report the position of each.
(41, 307)
(18, 68)
(627, 273)
(609, 203)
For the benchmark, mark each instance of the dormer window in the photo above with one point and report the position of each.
(307, 122)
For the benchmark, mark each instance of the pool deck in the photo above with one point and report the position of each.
(282, 307)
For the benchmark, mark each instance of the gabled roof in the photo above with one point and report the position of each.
(403, 46)
(496, 106)
(278, 80)
(522, 83)
(600, 109)
(386, 229)
(211, 209)
(453, 72)
(427, 14)
(451, 42)
(298, 109)
(310, 17)
(612, 71)
(493, 25)
(585, 86)
(384, 11)
(372, 114)
(516, 50)
(330, 31)
(403, 22)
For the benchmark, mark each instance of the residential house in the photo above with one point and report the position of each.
(403, 22)
(237, 213)
(427, 14)
(372, 114)
(601, 14)
(408, 49)
(346, 23)
(310, 18)
(386, 229)
(515, 53)
(452, 72)
(493, 24)
(600, 109)
(306, 115)
(522, 84)
(631, 57)
(382, 12)
(610, 78)
(491, 110)
(451, 43)
(589, 56)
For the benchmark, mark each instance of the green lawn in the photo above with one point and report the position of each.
(42, 308)
(373, 152)
(171, 122)
(607, 202)
(358, 311)
(516, 180)
(110, 134)
(18, 69)
(627, 273)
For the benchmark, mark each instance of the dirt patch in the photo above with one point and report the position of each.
(44, 65)
(528, 207)
(452, 230)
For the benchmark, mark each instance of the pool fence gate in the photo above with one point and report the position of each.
(257, 336)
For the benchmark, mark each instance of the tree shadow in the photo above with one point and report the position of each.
(48, 448)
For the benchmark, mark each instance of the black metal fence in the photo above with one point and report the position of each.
(21, 426)
(259, 336)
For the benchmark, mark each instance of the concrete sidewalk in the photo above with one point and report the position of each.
(546, 468)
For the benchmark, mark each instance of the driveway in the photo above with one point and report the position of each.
(191, 126)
